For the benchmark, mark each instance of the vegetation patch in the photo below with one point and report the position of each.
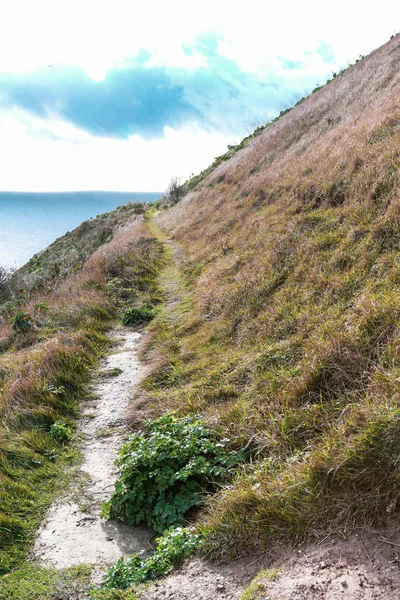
(255, 590)
(165, 469)
(171, 548)
(62, 431)
(137, 316)
(31, 582)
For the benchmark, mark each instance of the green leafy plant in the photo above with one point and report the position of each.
(135, 316)
(61, 431)
(165, 469)
(172, 547)
(22, 322)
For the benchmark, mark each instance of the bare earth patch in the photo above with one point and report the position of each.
(74, 533)
(201, 581)
(363, 567)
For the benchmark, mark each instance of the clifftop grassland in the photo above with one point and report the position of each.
(276, 287)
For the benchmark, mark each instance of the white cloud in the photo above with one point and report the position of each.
(97, 34)
(33, 160)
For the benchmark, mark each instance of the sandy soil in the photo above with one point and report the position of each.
(200, 580)
(73, 532)
(363, 567)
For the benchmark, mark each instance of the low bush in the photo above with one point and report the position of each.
(165, 469)
(61, 431)
(135, 316)
(22, 322)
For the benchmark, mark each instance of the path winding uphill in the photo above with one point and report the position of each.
(74, 533)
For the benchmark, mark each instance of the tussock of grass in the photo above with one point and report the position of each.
(256, 588)
(290, 341)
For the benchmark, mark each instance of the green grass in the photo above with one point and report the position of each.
(31, 582)
(34, 582)
(255, 590)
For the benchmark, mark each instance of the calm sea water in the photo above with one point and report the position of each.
(31, 221)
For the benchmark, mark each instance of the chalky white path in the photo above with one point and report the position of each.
(69, 536)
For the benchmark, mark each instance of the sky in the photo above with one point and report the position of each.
(123, 95)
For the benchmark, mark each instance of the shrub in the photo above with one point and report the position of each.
(164, 471)
(172, 547)
(135, 316)
(175, 190)
(22, 322)
(61, 431)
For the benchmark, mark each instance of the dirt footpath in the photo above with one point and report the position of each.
(74, 533)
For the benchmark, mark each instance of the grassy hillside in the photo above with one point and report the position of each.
(289, 343)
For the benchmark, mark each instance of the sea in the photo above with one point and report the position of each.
(29, 222)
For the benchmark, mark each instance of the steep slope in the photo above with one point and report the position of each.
(291, 250)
